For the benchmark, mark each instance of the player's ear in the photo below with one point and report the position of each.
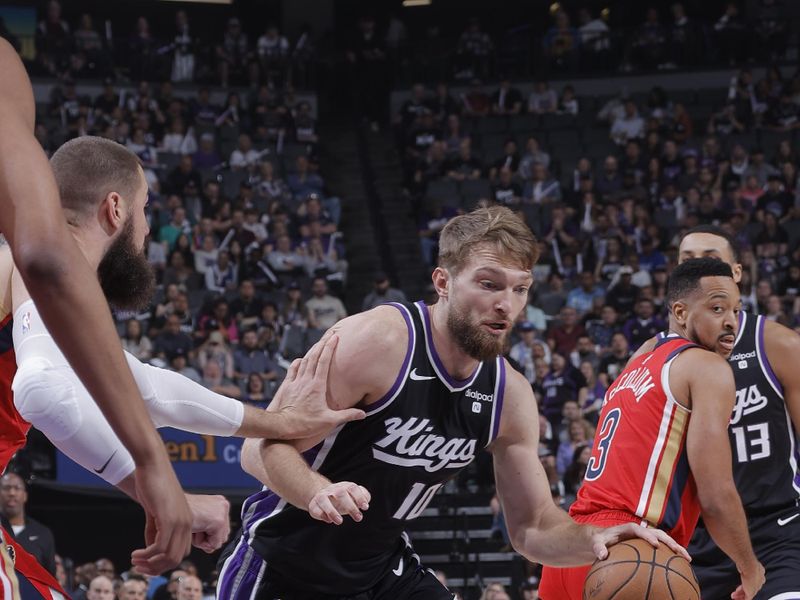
(679, 311)
(737, 272)
(113, 209)
(441, 281)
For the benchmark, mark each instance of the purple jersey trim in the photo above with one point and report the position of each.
(762, 352)
(458, 384)
(501, 389)
(403, 373)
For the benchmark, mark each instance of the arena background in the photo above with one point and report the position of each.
(330, 104)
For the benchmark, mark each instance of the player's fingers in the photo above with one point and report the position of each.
(326, 506)
(360, 496)
(291, 374)
(348, 414)
(346, 505)
(310, 360)
(672, 544)
(325, 357)
(600, 550)
(738, 594)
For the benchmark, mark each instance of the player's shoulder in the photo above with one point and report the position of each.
(383, 326)
(698, 363)
(782, 346)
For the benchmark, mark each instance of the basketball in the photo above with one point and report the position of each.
(634, 570)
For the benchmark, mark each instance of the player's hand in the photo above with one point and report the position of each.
(300, 403)
(751, 583)
(334, 501)
(211, 524)
(603, 538)
(168, 522)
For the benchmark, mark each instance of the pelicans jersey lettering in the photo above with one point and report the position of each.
(425, 429)
(639, 464)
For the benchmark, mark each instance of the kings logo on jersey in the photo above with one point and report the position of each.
(413, 443)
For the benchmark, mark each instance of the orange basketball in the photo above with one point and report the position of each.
(634, 570)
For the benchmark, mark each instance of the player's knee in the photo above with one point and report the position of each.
(45, 397)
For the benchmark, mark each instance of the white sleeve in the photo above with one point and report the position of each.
(176, 401)
(52, 399)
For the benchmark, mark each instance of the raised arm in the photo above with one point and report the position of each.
(64, 286)
(539, 530)
(706, 381)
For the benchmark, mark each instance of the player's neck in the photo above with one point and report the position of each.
(92, 251)
(458, 364)
(18, 519)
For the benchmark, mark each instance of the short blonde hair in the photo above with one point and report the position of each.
(497, 226)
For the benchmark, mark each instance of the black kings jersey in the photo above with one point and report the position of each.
(762, 436)
(420, 434)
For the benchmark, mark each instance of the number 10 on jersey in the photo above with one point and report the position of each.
(416, 501)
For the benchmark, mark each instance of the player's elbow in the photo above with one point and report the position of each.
(717, 497)
(40, 264)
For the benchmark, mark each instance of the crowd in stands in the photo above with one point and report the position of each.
(81, 48)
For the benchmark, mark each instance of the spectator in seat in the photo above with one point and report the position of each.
(294, 311)
(273, 51)
(613, 364)
(180, 176)
(222, 276)
(29, 533)
(324, 310)
(465, 165)
(304, 182)
(563, 338)
(133, 588)
(476, 102)
(561, 43)
(582, 297)
(249, 358)
(283, 260)
(543, 188)
(576, 437)
(532, 156)
(178, 362)
(474, 51)
(643, 325)
(629, 126)
(594, 39)
(135, 342)
(216, 381)
(506, 191)
(507, 100)
(590, 396)
(382, 292)
(543, 99)
(190, 588)
(100, 588)
(53, 40)
(206, 156)
(559, 386)
(172, 340)
(245, 156)
(584, 352)
(234, 55)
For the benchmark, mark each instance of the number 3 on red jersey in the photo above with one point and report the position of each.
(606, 434)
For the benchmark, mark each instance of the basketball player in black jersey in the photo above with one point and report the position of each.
(436, 392)
(763, 432)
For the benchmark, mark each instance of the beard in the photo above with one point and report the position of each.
(127, 279)
(471, 338)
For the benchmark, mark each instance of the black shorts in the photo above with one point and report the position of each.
(776, 541)
(405, 580)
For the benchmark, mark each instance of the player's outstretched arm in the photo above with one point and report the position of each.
(540, 530)
(706, 380)
(64, 287)
(782, 347)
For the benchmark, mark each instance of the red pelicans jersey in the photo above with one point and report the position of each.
(639, 464)
(13, 428)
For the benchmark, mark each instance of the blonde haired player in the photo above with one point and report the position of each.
(436, 392)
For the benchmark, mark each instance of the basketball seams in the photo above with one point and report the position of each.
(669, 589)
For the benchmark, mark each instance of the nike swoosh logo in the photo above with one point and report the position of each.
(416, 377)
(103, 468)
(399, 570)
(782, 522)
